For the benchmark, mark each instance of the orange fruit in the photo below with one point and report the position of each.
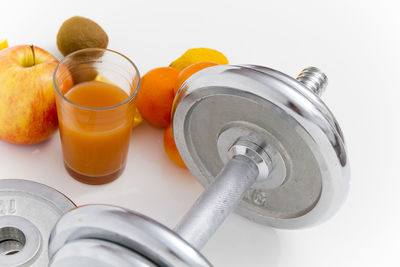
(171, 149)
(190, 70)
(155, 96)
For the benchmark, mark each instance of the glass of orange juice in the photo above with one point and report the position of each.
(95, 97)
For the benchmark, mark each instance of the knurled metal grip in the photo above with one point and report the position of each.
(218, 201)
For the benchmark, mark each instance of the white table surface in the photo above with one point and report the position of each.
(356, 43)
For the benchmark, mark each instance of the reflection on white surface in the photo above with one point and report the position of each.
(240, 242)
(36, 151)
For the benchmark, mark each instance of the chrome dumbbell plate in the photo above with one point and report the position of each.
(279, 109)
(28, 212)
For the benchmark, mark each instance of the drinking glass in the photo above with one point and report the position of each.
(95, 139)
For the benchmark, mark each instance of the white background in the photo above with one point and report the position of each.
(356, 43)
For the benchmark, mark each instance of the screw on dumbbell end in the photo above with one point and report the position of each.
(314, 79)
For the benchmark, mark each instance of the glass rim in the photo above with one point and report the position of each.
(103, 50)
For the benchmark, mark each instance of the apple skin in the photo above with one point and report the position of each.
(28, 112)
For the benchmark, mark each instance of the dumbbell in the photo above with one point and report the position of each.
(261, 143)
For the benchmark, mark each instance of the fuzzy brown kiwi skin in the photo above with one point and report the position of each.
(77, 33)
(83, 72)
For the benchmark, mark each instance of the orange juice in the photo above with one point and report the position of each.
(95, 131)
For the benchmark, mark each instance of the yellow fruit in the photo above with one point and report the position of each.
(100, 78)
(3, 44)
(195, 55)
(138, 117)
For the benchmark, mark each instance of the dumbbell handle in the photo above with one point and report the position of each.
(218, 201)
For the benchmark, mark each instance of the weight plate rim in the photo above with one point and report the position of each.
(92, 247)
(334, 190)
(60, 200)
(126, 228)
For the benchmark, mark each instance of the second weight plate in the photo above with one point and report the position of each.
(28, 212)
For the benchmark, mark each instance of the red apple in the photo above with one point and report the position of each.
(28, 112)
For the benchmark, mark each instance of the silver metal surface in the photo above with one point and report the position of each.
(139, 233)
(97, 253)
(218, 201)
(313, 79)
(289, 117)
(243, 140)
(20, 241)
(28, 212)
(257, 139)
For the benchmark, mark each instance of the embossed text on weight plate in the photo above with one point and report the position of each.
(8, 207)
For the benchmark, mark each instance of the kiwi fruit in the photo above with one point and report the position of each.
(83, 72)
(77, 33)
